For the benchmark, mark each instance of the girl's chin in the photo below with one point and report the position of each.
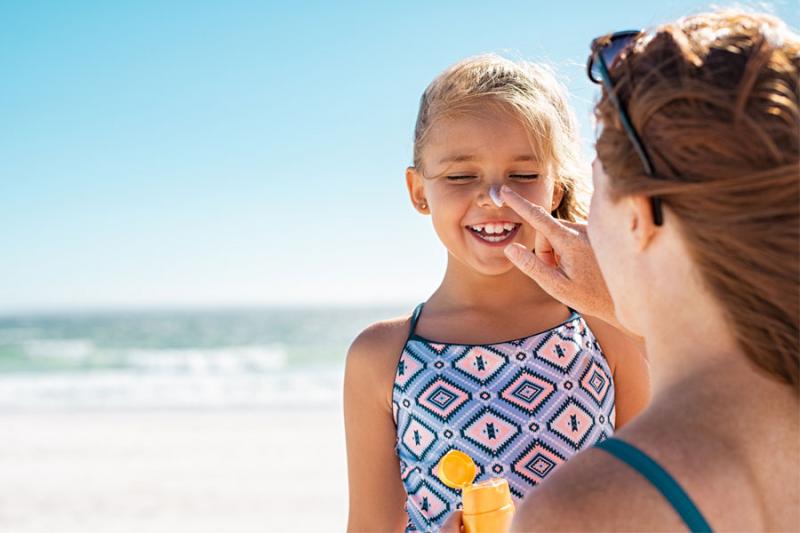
(496, 267)
(485, 261)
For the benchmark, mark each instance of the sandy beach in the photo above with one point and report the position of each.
(193, 470)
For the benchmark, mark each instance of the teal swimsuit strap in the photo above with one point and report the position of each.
(414, 320)
(660, 479)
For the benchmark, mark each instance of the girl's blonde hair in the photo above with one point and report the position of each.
(531, 93)
(715, 99)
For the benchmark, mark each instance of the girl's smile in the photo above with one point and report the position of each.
(495, 233)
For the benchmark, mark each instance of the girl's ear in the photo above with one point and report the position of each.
(558, 195)
(640, 221)
(416, 190)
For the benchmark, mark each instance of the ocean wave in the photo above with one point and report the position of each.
(122, 389)
(203, 361)
(83, 354)
(64, 349)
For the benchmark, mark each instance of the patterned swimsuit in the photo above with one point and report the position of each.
(518, 408)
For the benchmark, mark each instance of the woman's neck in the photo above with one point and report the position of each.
(697, 362)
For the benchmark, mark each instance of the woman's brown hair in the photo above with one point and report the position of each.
(716, 102)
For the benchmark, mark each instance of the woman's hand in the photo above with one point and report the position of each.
(562, 261)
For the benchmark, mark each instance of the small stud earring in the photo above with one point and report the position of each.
(423, 205)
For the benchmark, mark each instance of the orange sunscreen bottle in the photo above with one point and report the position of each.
(487, 506)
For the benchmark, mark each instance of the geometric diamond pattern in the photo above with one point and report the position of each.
(408, 367)
(491, 431)
(429, 502)
(518, 408)
(442, 398)
(536, 462)
(418, 437)
(596, 382)
(438, 348)
(481, 363)
(558, 351)
(528, 391)
(572, 423)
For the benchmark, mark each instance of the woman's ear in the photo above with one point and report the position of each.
(416, 190)
(640, 222)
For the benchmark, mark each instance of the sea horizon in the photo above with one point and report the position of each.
(158, 358)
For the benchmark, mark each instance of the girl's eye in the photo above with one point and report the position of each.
(524, 177)
(461, 178)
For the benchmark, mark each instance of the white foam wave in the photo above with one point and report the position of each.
(120, 389)
(199, 361)
(64, 349)
(215, 361)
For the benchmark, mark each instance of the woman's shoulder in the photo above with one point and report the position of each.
(594, 492)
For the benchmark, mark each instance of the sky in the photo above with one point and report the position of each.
(196, 154)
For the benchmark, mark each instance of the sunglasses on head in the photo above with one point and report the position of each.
(605, 51)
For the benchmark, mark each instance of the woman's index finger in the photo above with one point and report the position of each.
(533, 214)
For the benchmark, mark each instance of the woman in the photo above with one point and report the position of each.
(695, 225)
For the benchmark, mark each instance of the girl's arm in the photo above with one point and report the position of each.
(377, 496)
(626, 357)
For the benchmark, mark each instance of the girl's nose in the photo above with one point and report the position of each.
(494, 194)
(490, 197)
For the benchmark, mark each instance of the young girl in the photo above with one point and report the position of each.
(447, 376)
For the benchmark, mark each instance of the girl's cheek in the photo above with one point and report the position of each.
(536, 192)
(462, 192)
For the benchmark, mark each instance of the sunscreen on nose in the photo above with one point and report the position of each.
(494, 194)
(488, 507)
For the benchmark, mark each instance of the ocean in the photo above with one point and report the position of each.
(243, 358)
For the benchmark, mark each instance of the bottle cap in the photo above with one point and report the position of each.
(457, 469)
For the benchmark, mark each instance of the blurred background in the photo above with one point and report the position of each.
(202, 204)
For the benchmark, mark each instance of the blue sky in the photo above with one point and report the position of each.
(243, 153)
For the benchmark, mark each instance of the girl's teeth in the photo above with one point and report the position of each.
(494, 232)
(494, 229)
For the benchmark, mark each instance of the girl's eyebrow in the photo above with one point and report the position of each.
(460, 158)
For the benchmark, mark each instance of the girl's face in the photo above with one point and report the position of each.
(464, 157)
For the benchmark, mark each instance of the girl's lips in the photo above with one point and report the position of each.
(497, 240)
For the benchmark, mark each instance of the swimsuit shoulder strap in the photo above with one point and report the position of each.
(660, 479)
(414, 320)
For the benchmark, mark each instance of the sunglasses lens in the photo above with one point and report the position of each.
(611, 52)
(594, 70)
